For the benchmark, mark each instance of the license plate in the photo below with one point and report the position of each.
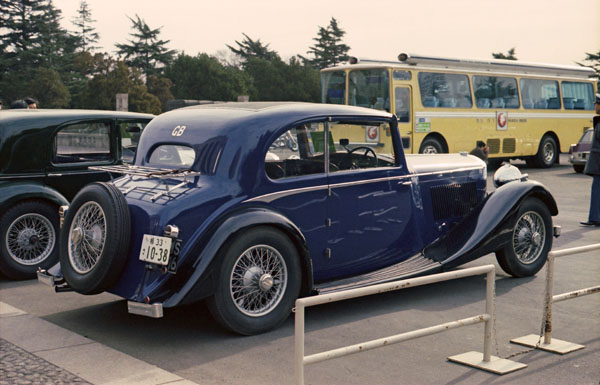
(155, 249)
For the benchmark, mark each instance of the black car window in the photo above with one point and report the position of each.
(297, 152)
(83, 142)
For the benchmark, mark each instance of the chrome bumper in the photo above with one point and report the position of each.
(154, 310)
(58, 283)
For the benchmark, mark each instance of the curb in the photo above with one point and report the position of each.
(77, 355)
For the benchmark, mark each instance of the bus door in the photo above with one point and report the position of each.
(403, 110)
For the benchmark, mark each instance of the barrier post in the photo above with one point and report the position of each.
(549, 344)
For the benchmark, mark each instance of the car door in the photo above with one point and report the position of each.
(369, 205)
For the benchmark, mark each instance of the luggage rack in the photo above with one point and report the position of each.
(161, 174)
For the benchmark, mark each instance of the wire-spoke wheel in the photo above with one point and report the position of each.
(94, 250)
(258, 281)
(30, 239)
(528, 235)
(28, 233)
(87, 236)
(531, 240)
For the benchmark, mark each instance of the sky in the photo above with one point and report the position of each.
(544, 31)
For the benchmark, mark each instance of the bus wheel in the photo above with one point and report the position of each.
(547, 152)
(431, 146)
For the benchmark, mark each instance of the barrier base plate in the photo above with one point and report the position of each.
(556, 346)
(495, 365)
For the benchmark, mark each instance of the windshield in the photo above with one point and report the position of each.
(333, 85)
(369, 88)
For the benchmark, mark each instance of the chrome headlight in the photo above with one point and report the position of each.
(507, 173)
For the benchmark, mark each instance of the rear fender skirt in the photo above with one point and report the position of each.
(488, 227)
(200, 282)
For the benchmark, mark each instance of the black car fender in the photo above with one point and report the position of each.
(489, 226)
(13, 192)
(200, 282)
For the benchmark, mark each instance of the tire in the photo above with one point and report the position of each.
(578, 168)
(531, 240)
(28, 232)
(249, 300)
(94, 240)
(431, 146)
(547, 152)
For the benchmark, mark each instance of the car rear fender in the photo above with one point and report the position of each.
(488, 227)
(13, 192)
(200, 282)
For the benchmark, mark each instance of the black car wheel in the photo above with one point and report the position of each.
(531, 240)
(579, 168)
(28, 231)
(431, 146)
(258, 281)
(547, 152)
(95, 238)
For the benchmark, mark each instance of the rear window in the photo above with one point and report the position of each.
(171, 155)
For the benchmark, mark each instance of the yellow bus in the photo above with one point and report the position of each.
(521, 110)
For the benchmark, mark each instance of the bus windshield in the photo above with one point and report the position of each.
(369, 88)
(333, 85)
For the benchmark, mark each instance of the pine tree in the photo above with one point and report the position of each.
(510, 55)
(86, 34)
(329, 49)
(30, 38)
(249, 48)
(594, 60)
(145, 51)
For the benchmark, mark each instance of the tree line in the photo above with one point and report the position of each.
(63, 68)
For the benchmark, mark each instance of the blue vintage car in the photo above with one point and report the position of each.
(252, 205)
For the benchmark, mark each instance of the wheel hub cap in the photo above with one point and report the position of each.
(27, 239)
(265, 282)
(77, 235)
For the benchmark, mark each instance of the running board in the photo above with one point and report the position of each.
(411, 267)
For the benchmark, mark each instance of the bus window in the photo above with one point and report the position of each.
(540, 94)
(495, 92)
(445, 90)
(369, 88)
(402, 96)
(402, 75)
(333, 85)
(577, 96)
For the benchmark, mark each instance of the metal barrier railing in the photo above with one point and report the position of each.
(487, 362)
(557, 346)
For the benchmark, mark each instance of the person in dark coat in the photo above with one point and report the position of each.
(480, 151)
(592, 168)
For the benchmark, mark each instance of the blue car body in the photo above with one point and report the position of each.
(417, 214)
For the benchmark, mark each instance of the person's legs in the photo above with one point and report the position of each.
(595, 200)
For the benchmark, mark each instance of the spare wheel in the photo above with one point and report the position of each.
(94, 238)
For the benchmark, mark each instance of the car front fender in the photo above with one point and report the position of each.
(13, 192)
(489, 226)
(200, 283)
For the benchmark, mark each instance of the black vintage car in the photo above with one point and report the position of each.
(44, 160)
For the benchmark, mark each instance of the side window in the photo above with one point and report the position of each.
(359, 146)
(130, 137)
(83, 142)
(577, 96)
(297, 152)
(402, 96)
(445, 90)
(540, 94)
(495, 92)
